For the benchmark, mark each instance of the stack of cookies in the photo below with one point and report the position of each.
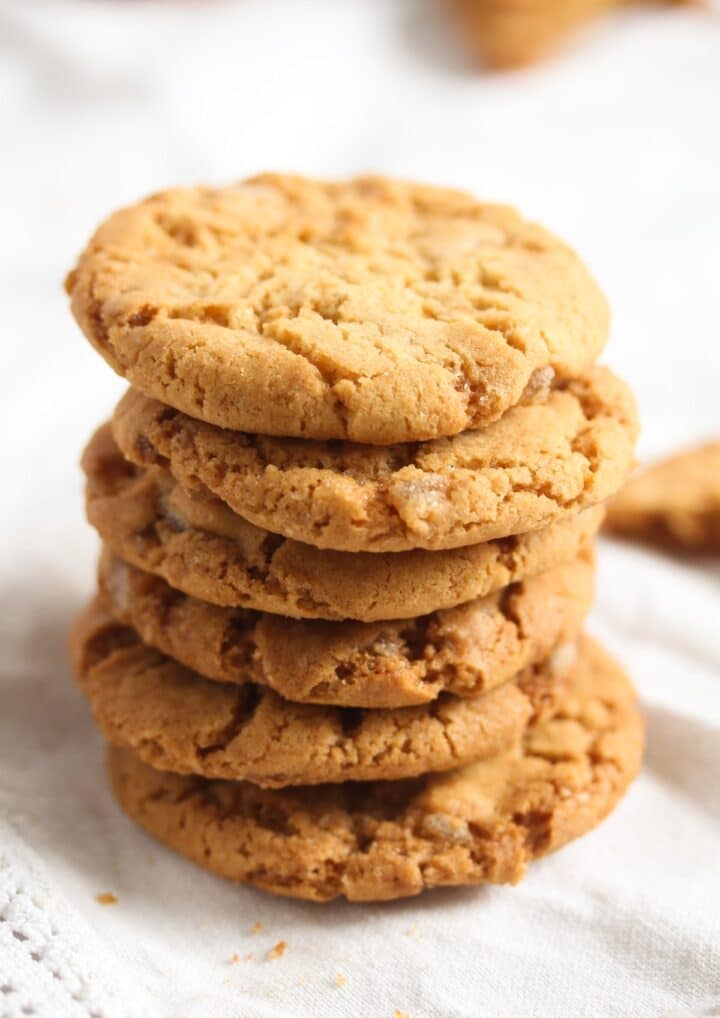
(347, 511)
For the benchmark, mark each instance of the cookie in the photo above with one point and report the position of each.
(201, 547)
(465, 650)
(368, 310)
(176, 720)
(674, 504)
(539, 463)
(514, 33)
(480, 823)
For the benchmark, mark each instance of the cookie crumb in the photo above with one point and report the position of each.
(257, 927)
(400, 1014)
(234, 959)
(106, 898)
(278, 951)
(340, 979)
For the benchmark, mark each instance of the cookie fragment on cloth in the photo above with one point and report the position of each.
(674, 504)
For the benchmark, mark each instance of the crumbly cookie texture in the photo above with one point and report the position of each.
(371, 310)
(502, 35)
(481, 823)
(537, 464)
(674, 504)
(201, 547)
(465, 650)
(176, 720)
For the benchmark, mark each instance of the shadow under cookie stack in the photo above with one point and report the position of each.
(347, 511)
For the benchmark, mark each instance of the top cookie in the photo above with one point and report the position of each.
(371, 310)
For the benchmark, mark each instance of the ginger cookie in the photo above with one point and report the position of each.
(514, 33)
(466, 650)
(368, 310)
(176, 720)
(539, 463)
(674, 504)
(201, 547)
(480, 823)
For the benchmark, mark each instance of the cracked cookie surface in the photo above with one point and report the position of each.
(368, 310)
(465, 650)
(674, 504)
(539, 463)
(176, 720)
(201, 547)
(480, 823)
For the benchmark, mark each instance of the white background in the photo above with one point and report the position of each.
(616, 146)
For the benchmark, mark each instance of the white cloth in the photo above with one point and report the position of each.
(616, 145)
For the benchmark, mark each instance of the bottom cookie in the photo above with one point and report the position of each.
(375, 841)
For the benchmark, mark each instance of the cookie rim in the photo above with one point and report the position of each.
(385, 664)
(189, 724)
(441, 495)
(214, 568)
(448, 851)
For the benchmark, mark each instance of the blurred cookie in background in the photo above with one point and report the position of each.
(504, 34)
(674, 504)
